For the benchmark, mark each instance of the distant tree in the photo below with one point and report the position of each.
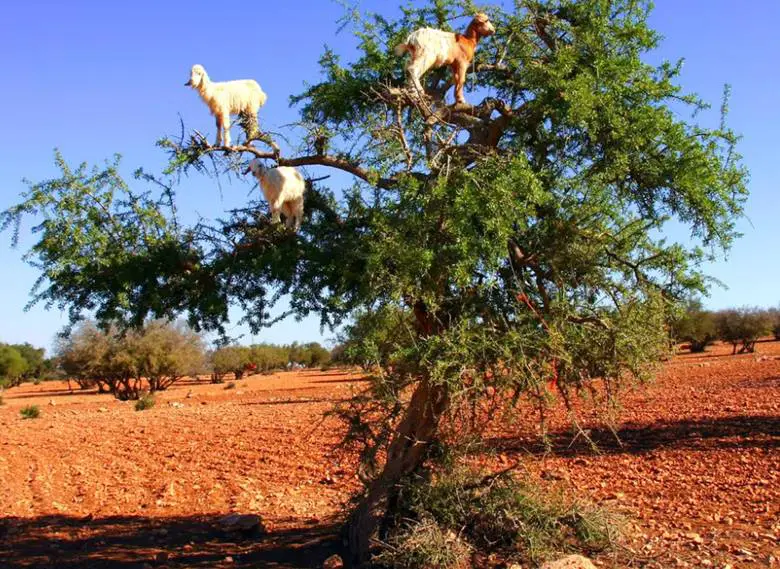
(230, 359)
(13, 366)
(695, 326)
(80, 355)
(269, 357)
(164, 353)
(35, 358)
(127, 364)
(314, 355)
(774, 319)
(742, 327)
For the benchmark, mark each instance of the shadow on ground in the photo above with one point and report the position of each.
(64, 542)
(693, 435)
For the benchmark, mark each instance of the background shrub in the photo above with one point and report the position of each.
(145, 401)
(774, 321)
(230, 359)
(742, 326)
(30, 412)
(12, 366)
(148, 359)
(695, 326)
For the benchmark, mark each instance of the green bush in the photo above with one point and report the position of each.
(774, 320)
(153, 357)
(30, 412)
(742, 326)
(695, 326)
(34, 358)
(443, 516)
(13, 366)
(230, 359)
(424, 544)
(145, 401)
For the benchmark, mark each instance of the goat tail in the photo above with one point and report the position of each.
(403, 48)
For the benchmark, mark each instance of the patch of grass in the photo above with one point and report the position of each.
(501, 515)
(230, 385)
(146, 401)
(30, 412)
(425, 544)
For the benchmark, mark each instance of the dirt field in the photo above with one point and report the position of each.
(92, 483)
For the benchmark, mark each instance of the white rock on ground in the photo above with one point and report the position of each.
(570, 562)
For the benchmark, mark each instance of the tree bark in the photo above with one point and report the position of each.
(406, 453)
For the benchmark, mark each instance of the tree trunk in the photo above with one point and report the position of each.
(406, 453)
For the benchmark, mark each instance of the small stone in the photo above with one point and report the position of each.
(333, 562)
(187, 547)
(570, 562)
(228, 559)
(102, 410)
(695, 537)
(162, 557)
(244, 523)
(52, 402)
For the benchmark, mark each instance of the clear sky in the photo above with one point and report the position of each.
(94, 78)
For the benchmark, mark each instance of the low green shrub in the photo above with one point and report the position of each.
(146, 401)
(30, 412)
(443, 516)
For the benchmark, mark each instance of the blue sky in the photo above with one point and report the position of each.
(94, 78)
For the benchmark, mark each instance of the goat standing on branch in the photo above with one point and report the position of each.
(283, 187)
(431, 48)
(224, 98)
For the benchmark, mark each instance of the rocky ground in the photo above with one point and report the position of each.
(93, 483)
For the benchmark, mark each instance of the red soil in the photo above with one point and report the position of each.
(93, 483)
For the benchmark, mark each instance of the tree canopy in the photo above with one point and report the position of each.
(521, 236)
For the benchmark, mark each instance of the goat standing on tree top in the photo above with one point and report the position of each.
(225, 98)
(431, 48)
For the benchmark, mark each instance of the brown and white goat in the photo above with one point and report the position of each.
(430, 48)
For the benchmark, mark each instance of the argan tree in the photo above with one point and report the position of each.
(695, 326)
(12, 366)
(742, 327)
(521, 234)
(148, 358)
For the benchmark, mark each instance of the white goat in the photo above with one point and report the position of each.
(224, 98)
(431, 48)
(283, 188)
